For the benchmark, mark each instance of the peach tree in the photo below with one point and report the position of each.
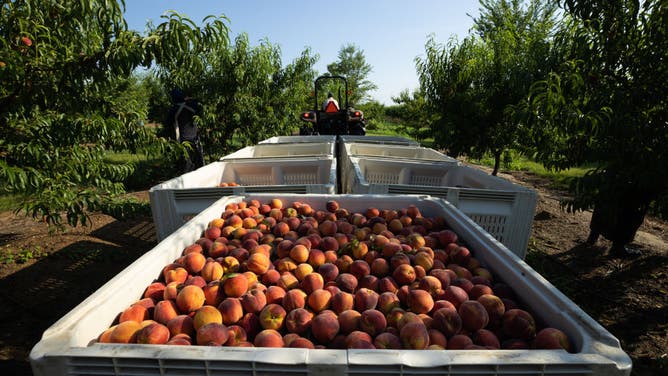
(62, 68)
(605, 105)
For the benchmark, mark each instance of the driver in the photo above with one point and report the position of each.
(330, 98)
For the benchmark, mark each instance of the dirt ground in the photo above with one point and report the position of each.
(56, 271)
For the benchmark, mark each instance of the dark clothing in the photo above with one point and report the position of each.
(181, 124)
(618, 221)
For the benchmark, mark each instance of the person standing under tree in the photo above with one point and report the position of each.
(181, 119)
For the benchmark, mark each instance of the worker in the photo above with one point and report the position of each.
(182, 118)
(330, 99)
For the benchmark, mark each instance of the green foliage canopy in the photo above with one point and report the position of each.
(607, 104)
(352, 65)
(471, 85)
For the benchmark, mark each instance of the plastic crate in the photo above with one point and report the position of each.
(503, 209)
(177, 200)
(386, 140)
(355, 149)
(297, 139)
(66, 349)
(317, 149)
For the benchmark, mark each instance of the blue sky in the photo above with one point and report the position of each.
(390, 32)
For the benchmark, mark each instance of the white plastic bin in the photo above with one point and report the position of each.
(358, 149)
(306, 149)
(297, 139)
(387, 140)
(177, 200)
(66, 349)
(503, 209)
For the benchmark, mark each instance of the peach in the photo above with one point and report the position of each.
(408, 317)
(176, 274)
(302, 271)
(349, 321)
(332, 206)
(369, 281)
(343, 263)
(272, 316)
(342, 301)
(287, 281)
(136, 313)
(235, 285)
(250, 322)
(414, 336)
(436, 337)
(455, 295)
(316, 258)
(486, 338)
(190, 298)
(474, 315)
(194, 262)
(360, 268)
(353, 340)
(212, 334)
(125, 332)
(404, 274)
(518, 323)
(387, 301)
(514, 344)
(268, 338)
(424, 259)
(388, 341)
(324, 327)
(443, 304)
(235, 335)
(217, 249)
(365, 299)
(420, 301)
(165, 310)
(155, 291)
(463, 283)
(387, 284)
(181, 324)
(479, 290)
(380, 267)
(327, 228)
(552, 338)
(448, 321)
(206, 314)
(346, 282)
(212, 232)
(104, 337)
(155, 334)
(230, 264)
(328, 271)
(253, 300)
(271, 277)
(211, 271)
(195, 280)
(231, 310)
(299, 253)
(302, 343)
(275, 294)
(285, 265)
(430, 284)
(319, 300)
(294, 299)
(494, 307)
(212, 293)
(258, 263)
(312, 282)
(298, 321)
(373, 322)
(459, 342)
(359, 249)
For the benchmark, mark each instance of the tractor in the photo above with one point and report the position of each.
(329, 118)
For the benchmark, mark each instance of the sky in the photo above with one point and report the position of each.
(391, 33)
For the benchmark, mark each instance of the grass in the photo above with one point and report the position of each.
(516, 162)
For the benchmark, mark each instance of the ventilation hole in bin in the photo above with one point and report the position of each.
(254, 180)
(382, 178)
(494, 224)
(303, 178)
(431, 180)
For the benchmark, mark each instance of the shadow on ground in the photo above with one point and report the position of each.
(35, 297)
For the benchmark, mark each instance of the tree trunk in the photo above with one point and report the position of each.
(497, 162)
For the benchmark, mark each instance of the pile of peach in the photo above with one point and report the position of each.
(272, 275)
